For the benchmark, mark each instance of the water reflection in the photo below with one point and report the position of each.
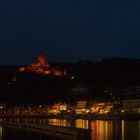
(139, 130)
(115, 130)
(101, 130)
(82, 123)
(123, 130)
(105, 130)
(58, 122)
(131, 130)
(0, 133)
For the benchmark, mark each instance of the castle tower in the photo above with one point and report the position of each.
(42, 59)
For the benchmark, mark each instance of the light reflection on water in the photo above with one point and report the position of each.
(59, 122)
(0, 133)
(82, 124)
(101, 129)
(105, 130)
(123, 130)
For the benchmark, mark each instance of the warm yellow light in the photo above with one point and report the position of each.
(72, 77)
(123, 131)
(94, 109)
(79, 123)
(40, 106)
(101, 104)
(1, 107)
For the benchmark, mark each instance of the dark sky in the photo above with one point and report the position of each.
(68, 30)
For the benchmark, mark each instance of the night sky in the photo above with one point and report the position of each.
(69, 30)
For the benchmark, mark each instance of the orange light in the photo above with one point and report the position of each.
(41, 66)
(22, 69)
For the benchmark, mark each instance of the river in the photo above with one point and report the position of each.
(101, 130)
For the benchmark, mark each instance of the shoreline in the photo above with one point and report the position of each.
(74, 117)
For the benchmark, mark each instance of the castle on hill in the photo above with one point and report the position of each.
(41, 66)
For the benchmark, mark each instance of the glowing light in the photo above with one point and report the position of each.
(1, 133)
(58, 122)
(87, 111)
(101, 104)
(122, 129)
(106, 130)
(72, 77)
(40, 106)
(1, 107)
(94, 109)
(63, 107)
(82, 123)
(41, 66)
(22, 69)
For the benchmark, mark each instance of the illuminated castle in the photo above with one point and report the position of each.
(41, 66)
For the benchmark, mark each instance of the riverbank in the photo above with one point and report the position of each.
(74, 117)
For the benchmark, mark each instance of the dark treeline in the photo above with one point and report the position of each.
(112, 72)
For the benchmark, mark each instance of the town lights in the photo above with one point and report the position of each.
(72, 77)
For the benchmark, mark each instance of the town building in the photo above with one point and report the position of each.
(131, 106)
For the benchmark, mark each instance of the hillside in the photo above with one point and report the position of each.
(113, 74)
